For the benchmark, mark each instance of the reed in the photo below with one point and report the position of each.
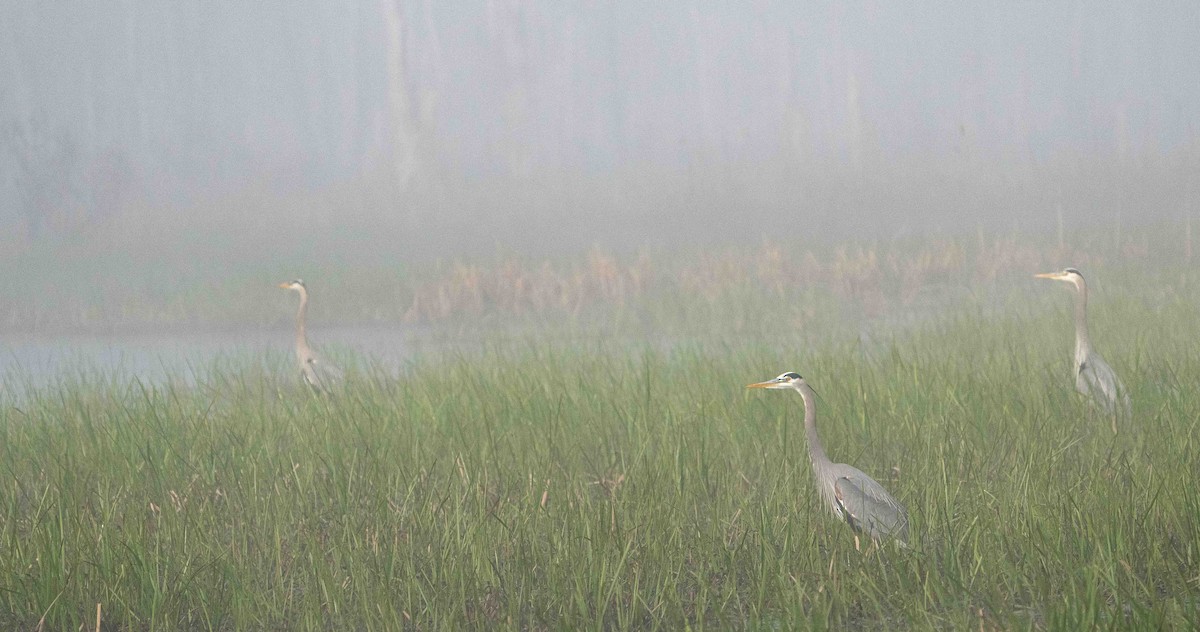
(632, 483)
(87, 290)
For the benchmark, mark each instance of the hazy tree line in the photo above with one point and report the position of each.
(655, 114)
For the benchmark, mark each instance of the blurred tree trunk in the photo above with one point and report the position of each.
(404, 124)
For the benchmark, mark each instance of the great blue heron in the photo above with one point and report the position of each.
(852, 495)
(318, 375)
(1093, 377)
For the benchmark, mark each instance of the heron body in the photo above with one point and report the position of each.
(1094, 378)
(848, 492)
(316, 374)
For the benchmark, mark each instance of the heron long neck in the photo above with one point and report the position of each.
(815, 449)
(1083, 344)
(301, 313)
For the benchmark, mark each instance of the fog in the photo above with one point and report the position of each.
(558, 125)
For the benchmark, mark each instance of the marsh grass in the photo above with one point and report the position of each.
(558, 475)
(549, 484)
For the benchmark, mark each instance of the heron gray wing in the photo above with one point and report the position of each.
(321, 376)
(1099, 381)
(868, 507)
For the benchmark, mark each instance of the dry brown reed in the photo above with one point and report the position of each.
(873, 277)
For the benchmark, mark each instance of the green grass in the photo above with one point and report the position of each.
(593, 484)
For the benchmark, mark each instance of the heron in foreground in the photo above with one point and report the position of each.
(1093, 377)
(316, 374)
(852, 495)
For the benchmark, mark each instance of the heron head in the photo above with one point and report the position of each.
(785, 380)
(297, 285)
(1069, 275)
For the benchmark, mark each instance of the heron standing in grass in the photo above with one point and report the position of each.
(318, 375)
(1093, 377)
(852, 495)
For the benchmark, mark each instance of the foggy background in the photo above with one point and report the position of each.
(442, 128)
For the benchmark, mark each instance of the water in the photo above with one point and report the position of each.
(38, 360)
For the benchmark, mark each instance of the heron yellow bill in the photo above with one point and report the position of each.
(1048, 275)
(766, 384)
(285, 285)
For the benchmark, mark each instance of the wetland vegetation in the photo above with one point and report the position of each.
(596, 463)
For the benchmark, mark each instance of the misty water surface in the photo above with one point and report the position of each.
(155, 358)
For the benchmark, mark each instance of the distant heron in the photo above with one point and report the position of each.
(852, 495)
(1093, 377)
(318, 375)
